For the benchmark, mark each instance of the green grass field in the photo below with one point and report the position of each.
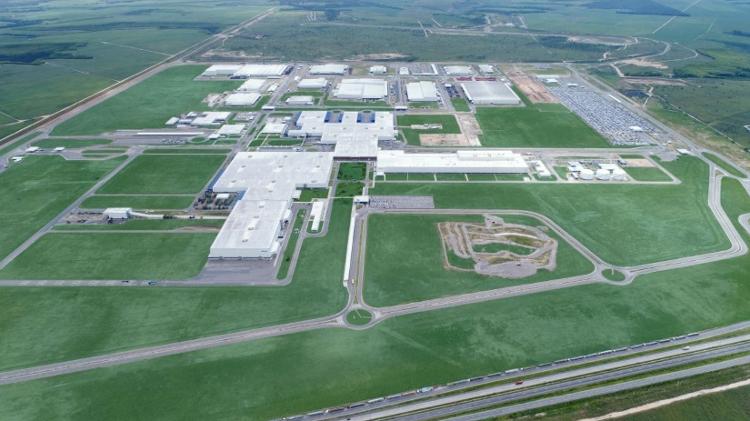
(652, 223)
(460, 105)
(164, 174)
(724, 165)
(99, 201)
(647, 174)
(448, 122)
(112, 256)
(352, 171)
(75, 322)
(399, 354)
(71, 143)
(536, 125)
(39, 188)
(729, 405)
(405, 261)
(144, 224)
(286, 260)
(148, 104)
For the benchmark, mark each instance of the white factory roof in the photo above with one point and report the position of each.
(254, 70)
(242, 98)
(300, 100)
(422, 91)
(378, 70)
(274, 128)
(464, 161)
(329, 126)
(313, 83)
(490, 92)
(222, 70)
(211, 118)
(486, 68)
(362, 89)
(251, 230)
(458, 70)
(275, 175)
(329, 69)
(269, 181)
(252, 85)
(231, 130)
(356, 145)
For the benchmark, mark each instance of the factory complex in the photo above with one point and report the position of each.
(482, 92)
(364, 89)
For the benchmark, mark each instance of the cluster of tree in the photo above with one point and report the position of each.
(37, 53)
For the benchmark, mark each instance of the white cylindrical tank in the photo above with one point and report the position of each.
(587, 174)
(602, 174)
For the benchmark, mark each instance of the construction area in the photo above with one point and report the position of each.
(497, 248)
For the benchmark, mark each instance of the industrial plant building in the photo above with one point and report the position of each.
(490, 93)
(252, 85)
(300, 100)
(256, 70)
(468, 161)
(363, 89)
(268, 183)
(314, 83)
(378, 70)
(222, 70)
(329, 69)
(424, 91)
(241, 99)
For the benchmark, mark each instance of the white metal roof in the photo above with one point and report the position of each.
(252, 70)
(300, 99)
(222, 69)
(211, 118)
(362, 89)
(486, 68)
(490, 92)
(251, 230)
(321, 124)
(422, 91)
(378, 69)
(242, 98)
(329, 69)
(231, 130)
(274, 128)
(464, 161)
(313, 83)
(252, 85)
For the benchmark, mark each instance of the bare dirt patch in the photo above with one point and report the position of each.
(654, 81)
(640, 163)
(642, 62)
(532, 88)
(469, 136)
(379, 57)
(498, 248)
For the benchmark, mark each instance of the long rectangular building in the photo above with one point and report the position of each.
(490, 93)
(365, 88)
(423, 91)
(464, 161)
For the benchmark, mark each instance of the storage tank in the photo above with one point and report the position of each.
(586, 174)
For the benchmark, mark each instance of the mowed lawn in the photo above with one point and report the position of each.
(38, 189)
(623, 224)
(166, 174)
(447, 121)
(148, 104)
(405, 260)
(99, 201)
(536, 126)
(42, 325)
(262, 379)
(112, 256)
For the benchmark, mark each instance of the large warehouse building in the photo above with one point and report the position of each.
(464, 161)
(423, 91)
(259, 70)
(269, 181)
(490, 93)
(365, 89)
(329, 69)
(241, 99)
(222, 70)
(458, 70)
(313, 83)
(252, 85)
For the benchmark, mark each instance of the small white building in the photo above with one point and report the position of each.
(117, 213)
(241, 99)
(403, 71)
(424, 91)
(300, 100)
(486, 69)
(378, 70)
(313, 83)
(228, 130)
(329, 69)
(211, 118)
(33, 149)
